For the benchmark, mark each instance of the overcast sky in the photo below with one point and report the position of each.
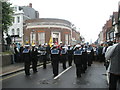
(88, 15)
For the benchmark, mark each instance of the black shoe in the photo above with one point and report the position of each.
(89, 65)
(27, 74)
(79, 76)
(35, 71)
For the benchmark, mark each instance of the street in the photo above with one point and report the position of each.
(93, 78)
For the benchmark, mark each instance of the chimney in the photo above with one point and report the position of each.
(30, 5)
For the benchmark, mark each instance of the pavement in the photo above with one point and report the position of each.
(13, 68)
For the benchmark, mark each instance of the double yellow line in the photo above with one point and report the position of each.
(7, 77)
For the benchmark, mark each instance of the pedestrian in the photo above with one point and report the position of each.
(13, 53)
(34, 58)
(17, 53)
(100, 56)
(113, 54)
(21, 54)
(78, 60)
(27, 59)
(55, 58)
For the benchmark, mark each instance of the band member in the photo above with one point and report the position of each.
(63, 56)
(70, 55)
(78, 60)
(90, 54)
(27, 59)
(84, 58)
(55, 53)
(44, 56)
(34, 58)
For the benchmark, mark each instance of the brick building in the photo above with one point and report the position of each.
(39, 31)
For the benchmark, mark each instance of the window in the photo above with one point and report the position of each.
(15, 9)
(18, 19)
(66, 39)
(33, 37)
(55, 37)
(13, 31)
(18, 31)
(41, 38)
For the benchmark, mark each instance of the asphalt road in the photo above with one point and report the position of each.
(93, 78)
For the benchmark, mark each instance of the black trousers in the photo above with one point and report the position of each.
(78, 70)
(113, 81)
(44, 60)
(63, 60)
(34, 65)
(70, 60)
(27, 68)
(55, 65)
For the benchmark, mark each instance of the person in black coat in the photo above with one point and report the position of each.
(113, 55)
(34, 58)
(27, 59)
(21, 54)
(17, 53)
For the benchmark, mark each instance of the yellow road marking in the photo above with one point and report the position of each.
(10, 76)
(17, 74)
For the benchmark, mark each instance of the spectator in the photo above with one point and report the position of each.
(113, 54)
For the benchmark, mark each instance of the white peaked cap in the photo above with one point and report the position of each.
(60, 42)
(63, 47)
(42, 44)
(68, 45)
(27, 45)
(52, 44)
(77, 45)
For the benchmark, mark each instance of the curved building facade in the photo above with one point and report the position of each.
(39, 31)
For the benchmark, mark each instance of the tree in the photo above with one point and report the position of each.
(7, 18)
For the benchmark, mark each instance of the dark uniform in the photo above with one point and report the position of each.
(44, 56)
(84, 59)
(48, 52)
(55, 53)
(63, 57)
(90, 54)
(78, 61)
(34, 58)
(70, 55)
(39, 53)
(27, 59)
